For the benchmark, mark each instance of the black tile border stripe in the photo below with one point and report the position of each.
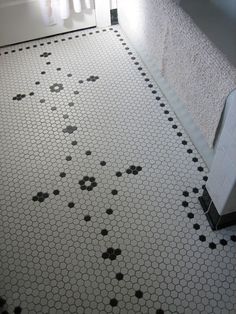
(45, 40)
(46, 37)
(189, 151)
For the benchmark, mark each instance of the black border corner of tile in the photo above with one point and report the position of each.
(215, 220)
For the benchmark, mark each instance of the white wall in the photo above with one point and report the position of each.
(113, 4)
(175, 49)
(21, 20)
(216, 19)
(103, 16)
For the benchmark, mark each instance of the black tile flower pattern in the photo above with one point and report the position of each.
(87, 183)
(56, 88)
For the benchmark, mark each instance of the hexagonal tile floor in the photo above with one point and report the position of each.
(100, 185)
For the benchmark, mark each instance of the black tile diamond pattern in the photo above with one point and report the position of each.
(45, 54)
(40, 197)
(111, 253)
(134, 170)
(92, 78)
(19, 97)
(70, 129)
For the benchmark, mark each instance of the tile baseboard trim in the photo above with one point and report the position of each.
(215, 220)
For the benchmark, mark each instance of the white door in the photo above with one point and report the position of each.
(22, 20)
